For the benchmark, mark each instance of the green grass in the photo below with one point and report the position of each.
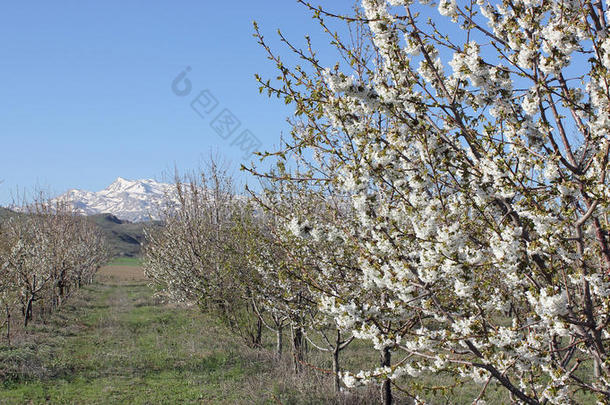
(123, 237)
(125, 261)
(117, 344)
(114, 342)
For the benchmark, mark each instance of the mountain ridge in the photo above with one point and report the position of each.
(128, 200)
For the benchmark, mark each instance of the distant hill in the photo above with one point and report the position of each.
(6, 213)
(124, 237)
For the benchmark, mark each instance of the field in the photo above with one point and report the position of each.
(126, 261)
(123, 237)
(114, 342)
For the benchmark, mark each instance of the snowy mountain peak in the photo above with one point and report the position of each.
(147, 186)
(119, 183)
(131, 200)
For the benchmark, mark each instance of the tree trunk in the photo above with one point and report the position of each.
(597, 369)
(386, 388)
(278, 342)
(28, 312)
(297, 348)
(8, 325)
(336, 362)
(259, 332)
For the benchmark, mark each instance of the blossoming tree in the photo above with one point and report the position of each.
(294, 266)
(199, 257)
(473, 142)
(46, 252)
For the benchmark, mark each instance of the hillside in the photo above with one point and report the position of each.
(6, 213)
(124, 237)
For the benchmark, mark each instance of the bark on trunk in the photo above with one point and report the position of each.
(386, 388)
(255, 335)
(336, 362)
(278, 342)
(28, 312)
(8, 325)
(297, 348)
(597, 369)
(259, 332)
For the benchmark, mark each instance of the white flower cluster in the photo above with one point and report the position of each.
(455, 205)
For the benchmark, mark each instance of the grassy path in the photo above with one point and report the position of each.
(115, 343)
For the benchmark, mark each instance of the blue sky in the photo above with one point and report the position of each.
(86, 86)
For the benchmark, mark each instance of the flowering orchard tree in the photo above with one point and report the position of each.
(89, 252)
(8, 282)
(293, 265)
(264, 282)
(46, 252)
(279, 295)
(197, 256)
(474, 147)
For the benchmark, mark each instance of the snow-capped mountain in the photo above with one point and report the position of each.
(131, 200)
